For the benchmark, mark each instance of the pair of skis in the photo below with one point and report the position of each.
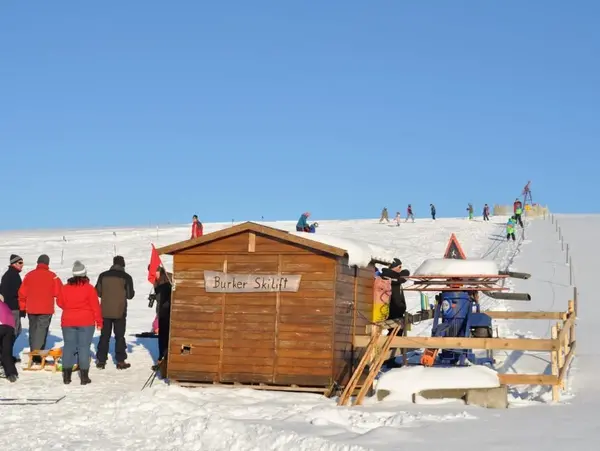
(29, 401)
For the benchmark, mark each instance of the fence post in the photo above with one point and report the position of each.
(570, 271)
(568, 258)
(575, 301)
(554, 366)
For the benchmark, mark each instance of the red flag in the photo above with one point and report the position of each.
(155, 263)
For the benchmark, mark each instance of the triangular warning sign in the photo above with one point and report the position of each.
(453, 250)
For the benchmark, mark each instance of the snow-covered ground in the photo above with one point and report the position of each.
(113, 413)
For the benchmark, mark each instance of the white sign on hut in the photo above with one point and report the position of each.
(220, 282)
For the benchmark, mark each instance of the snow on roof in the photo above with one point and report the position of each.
(360, 253)
(453, 267)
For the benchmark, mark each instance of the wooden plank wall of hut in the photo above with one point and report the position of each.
(281, 338)
(354, 304)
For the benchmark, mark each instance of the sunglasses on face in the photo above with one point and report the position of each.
(19, 263)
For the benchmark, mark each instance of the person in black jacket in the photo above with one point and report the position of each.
(397, 276)
(163, 290)
(9, 289)
(397, 300)
(114, 288)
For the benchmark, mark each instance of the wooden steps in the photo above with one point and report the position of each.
(374, 368)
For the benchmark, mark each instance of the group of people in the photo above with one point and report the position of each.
(432, 211)
(85, 307)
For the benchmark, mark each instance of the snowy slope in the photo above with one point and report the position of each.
(112, 413)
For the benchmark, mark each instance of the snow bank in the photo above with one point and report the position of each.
(360, 253)
(403, 382)
(452, 267)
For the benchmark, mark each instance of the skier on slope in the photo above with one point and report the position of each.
(510, 228)
(409, 213)
(518, 211)
(486, 212)
(384, 215)
(470, 210)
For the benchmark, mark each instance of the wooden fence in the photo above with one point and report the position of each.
(561, 345)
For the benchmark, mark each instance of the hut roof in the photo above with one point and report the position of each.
(359, 253)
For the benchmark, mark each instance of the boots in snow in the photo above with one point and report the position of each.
(67, 372)
(123, 365)
(84, 376)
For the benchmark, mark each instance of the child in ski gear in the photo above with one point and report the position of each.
(470, 210)
(516, 204)
(409, 214)
(510, 228)
(397, 218)
(81, 311)
(432, 207)
(384, 215)
(114, 288)
(9, 288)
(302, 224)
(37, 295)
(197, 227)
(518, 209)
(7, 332)
(486, 212)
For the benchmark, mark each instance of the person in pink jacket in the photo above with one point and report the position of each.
(7, 333)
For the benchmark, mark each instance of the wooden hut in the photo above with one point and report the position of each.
(257, 305)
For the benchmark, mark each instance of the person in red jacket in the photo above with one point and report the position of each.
(197, 228)
(81, 312)
(37, 293)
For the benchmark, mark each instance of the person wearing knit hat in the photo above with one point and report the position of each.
(9, 288)
(115, 289)
(79, 269)
(80, 315)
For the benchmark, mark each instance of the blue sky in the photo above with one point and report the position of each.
(145, 112)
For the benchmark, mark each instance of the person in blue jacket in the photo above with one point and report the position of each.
(302, 225)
